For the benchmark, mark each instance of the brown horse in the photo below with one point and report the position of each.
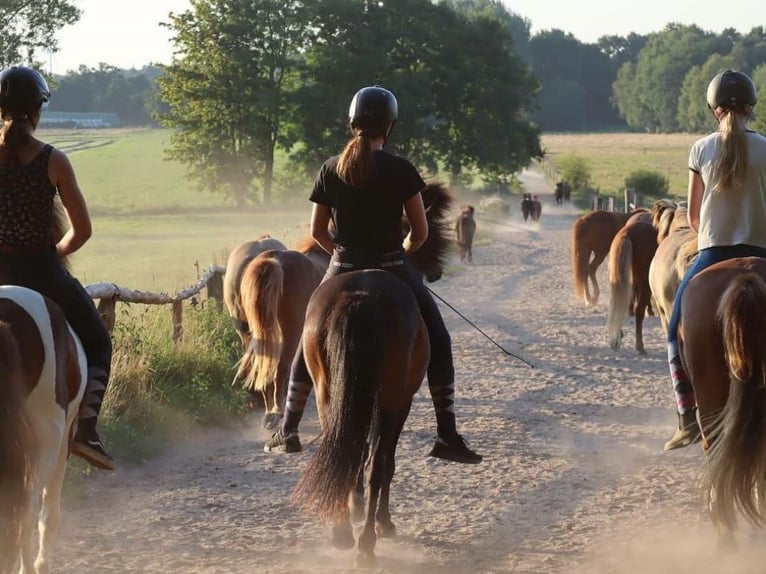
(268, 308)
(723, 348)
(675, 252)
(465, 229)
(367, 350)
(592, 236)
(630, 255)
(43, 373)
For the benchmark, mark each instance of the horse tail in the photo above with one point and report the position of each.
(621, 283)
(354, 359)
(580, 260)
(736, 465)
(18, 448)
(260, 293)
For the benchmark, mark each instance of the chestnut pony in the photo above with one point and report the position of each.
(630, 255)
(367, 350)
(266, 290)
(465, 229)
(592, 236)
(43, 372)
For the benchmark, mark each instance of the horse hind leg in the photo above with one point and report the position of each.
(384, 526)
(50, 514)
(368, 538)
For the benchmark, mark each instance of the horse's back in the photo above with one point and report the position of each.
(238, 259)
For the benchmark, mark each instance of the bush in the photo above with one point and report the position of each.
(648, 183)
(576, 171)
(494, 204)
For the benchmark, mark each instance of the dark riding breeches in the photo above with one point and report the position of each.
(441, 370)
(43, 272)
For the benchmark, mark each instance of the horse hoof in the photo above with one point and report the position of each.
(385, 529)
(365, 560)
(343, 537)
(271, 420)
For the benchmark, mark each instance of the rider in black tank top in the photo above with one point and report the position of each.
(363, 192)
(31, 175)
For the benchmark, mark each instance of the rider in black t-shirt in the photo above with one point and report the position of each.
(363, 192)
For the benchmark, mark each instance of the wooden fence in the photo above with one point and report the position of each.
(109, 294)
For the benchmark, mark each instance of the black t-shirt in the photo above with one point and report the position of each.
(368, 218)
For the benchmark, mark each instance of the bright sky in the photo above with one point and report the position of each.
(126, 33)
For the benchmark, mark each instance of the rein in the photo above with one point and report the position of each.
(472, 324)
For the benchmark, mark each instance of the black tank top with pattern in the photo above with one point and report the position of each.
(26, 203)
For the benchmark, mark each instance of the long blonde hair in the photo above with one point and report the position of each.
(731, 164)
(356, 163)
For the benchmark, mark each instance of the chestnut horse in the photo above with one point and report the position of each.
(592, 236)
(465, 229)
(367, 349)
(268, 308)
(723, 348)
(630, 255)
(43, 373)
(675, 252)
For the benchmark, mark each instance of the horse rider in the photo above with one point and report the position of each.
(363, 191)
(31, 174)
(727, 209)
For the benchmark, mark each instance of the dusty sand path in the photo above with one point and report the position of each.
(574, 478)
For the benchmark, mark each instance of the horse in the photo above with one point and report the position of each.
(723, 344)
(675, 252)
(526, 206)
(272, 291)
(592, 236)
(43, 373)
(558, 194)
(367, 350)
(537, 208)
(465, 229)
(630, 255)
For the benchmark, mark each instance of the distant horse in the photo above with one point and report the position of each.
(566, 190)
(465, 229)
(43, 372)
(537, 209)
(630, 255)
(367, 350)
(558, 194)
(527, 206)
(723, 346)
(675, 252)
(272, 292)
(592, 236)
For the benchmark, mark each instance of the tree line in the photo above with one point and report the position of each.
(256, 78)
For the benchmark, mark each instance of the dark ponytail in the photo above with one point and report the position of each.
(357, 161)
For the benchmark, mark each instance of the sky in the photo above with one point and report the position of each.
(126, 33)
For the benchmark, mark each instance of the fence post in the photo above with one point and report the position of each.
(106, 310)
(178, 316)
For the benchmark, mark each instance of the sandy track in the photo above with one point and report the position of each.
(574, 478)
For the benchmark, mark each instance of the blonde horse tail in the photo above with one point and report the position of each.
(18, 449)
(621, 284)
(260, 294)
(736, 462)
(580, 260)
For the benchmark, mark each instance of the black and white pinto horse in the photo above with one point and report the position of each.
(43, 372)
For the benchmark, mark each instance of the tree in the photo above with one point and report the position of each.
(693, 113)
(228, 88)
(575, 170)
(30, 26)
(759, 120)
(647, 183)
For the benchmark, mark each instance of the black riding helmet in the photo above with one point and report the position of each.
(22, 90)
(730, 90)
(373, 108)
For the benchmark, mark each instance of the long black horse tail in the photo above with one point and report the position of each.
(354, 366)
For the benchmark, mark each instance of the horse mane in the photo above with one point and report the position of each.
(663, 216)
(437, 200)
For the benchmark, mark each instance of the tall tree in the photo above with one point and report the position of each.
(227, 89)
(30, 26)
(759, 119)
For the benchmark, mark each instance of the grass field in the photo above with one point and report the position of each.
(612, 157)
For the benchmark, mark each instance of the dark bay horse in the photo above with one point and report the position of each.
(267, 304)
(527, 206)
(723, 348)
(43, 373)
(592, 236)
(367, 350)
(465, 229)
